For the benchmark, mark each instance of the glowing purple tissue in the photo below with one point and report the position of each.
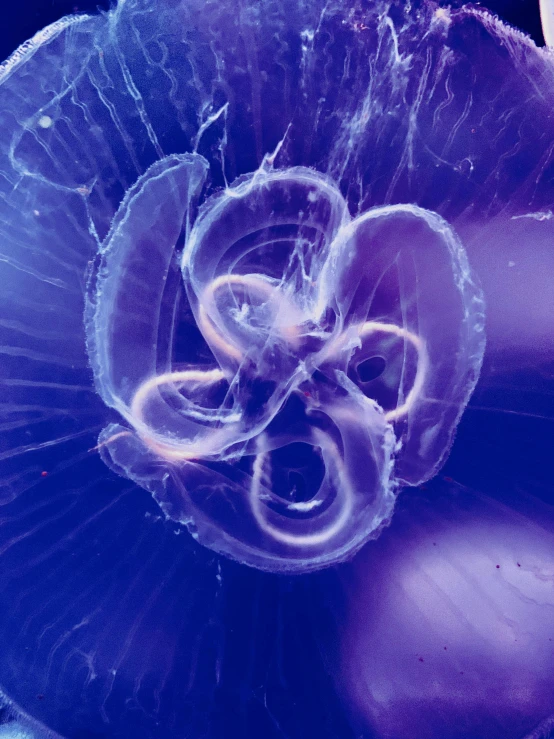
(249, 256)
(331, 359)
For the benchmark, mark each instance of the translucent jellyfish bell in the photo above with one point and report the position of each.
(265, 440)
(245, 251)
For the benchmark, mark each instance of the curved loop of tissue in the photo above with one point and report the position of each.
(268, 443)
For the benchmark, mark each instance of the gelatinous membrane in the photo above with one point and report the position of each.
(287, 295)
(470, 605)
(237, 317)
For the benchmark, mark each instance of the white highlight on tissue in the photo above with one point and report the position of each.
(547, 20)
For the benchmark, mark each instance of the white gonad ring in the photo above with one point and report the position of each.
(305, 356)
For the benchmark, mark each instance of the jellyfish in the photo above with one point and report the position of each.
(250, 256)
(288, 298)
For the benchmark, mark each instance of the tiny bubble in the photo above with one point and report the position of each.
(45, 121)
